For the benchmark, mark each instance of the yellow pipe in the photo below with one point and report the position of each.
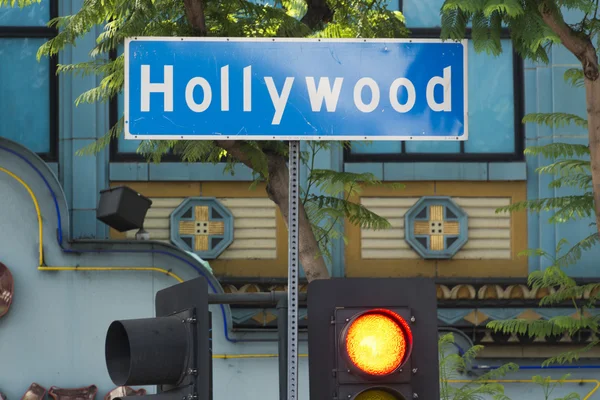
(153, 269)
(41, 266)
(37, 210)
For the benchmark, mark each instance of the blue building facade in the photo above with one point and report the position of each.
(73, 275)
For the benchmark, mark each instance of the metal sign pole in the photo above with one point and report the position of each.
(293, 243)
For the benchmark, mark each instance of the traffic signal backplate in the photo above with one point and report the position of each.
(373, 339)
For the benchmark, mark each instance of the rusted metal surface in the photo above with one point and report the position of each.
(122, 391)
(85, 393)
(34, 392)
(7, 287)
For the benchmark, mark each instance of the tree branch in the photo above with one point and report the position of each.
(233, 147)
(581, 47)
(317, 13)
(278, 191)
(194, 10)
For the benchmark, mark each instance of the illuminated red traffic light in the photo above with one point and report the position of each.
(377, 342)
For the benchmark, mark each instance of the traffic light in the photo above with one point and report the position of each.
(171, 350)
(373, 339)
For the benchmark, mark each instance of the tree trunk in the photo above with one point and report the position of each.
(194, 10)
(318, 12)
(584, 50)
(592, 94)
(278, 191)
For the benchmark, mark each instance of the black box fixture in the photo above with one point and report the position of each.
(122, 208)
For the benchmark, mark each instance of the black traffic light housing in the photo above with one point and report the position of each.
(333, 307)
(171, 350)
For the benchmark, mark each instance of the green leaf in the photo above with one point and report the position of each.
(511, 8)
(555, 120)
(574, 76)
(556, 150)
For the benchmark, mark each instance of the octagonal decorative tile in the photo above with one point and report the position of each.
(203, 226)
(436, 227)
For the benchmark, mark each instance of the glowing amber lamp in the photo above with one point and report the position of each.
(378, 342)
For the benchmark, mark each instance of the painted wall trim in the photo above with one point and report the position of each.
(492, 171)
(142, 171)
(440, 171)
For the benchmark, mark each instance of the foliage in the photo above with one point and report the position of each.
(566, 172)
(363, 19)
(327, 199)
(548, 386)
(534, 26)
(234, 18)
(453, 366)
(530, 34)
(562, 290)
(573, 173)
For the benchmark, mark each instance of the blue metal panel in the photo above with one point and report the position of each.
(128, 172)
(80, 126)
(197, 172)
(54, 168)
(544, 95)
(434, 147)
(547, 92)
(507, 171)
(568, 99)
(360, 168)
(24, 88)
(560, 55)
(338, 262)
(84, 176)
(260, 88)
(378, 147)
(435, 171)
(491, 110)
(577, 230)
(531, 134)
(530, 80)
(84, 224)
(422, 13)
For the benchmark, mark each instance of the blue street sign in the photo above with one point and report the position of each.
(295, 89)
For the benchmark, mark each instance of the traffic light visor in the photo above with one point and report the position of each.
(377, 342)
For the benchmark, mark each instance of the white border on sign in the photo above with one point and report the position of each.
(129, 136)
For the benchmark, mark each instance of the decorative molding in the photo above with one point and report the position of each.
(495, 240)
(436, 227)
(203, 226)
(464, 306)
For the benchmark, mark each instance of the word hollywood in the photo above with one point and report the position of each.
(366, 92)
